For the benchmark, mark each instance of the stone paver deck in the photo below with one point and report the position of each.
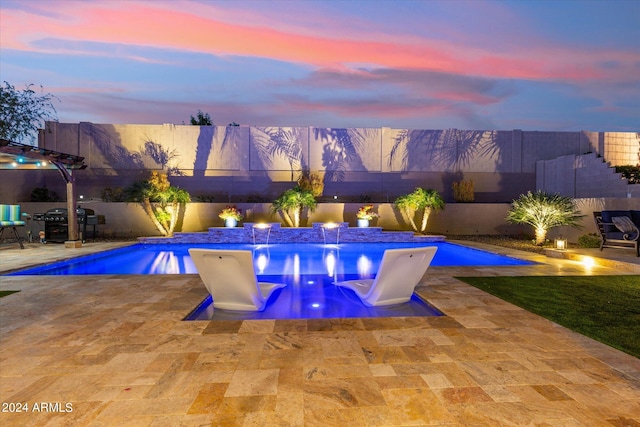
(112, 350)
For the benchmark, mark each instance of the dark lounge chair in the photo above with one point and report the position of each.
(618, 229)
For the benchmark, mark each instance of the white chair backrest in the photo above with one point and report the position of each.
(399, 273)
(229, 276)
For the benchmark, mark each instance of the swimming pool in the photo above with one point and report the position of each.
(274, 259)
(308, 270)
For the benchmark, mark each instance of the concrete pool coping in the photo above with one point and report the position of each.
(115, 348)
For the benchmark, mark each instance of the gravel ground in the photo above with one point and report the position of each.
(522, 243)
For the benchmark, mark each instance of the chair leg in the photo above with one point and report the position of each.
(15, 230)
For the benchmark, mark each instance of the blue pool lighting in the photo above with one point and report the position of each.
(309, 271)
(273, 259)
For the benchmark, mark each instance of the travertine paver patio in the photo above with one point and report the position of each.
(115, 350)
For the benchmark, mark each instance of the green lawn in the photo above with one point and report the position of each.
(605, 308)
(5, 293)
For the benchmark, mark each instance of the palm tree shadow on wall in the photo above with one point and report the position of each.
(340, 151)
(449, 151)
(106, 141)
(162, 157)
(273, 142)
(205, 145)
(203, 149)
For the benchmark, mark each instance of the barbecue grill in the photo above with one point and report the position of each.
(56, 223)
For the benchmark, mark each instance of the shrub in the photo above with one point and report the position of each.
(543, 211)
(312, 182)
(463, 191)
(630, 173)
(590, 240)
(112, 194)
(204, 198)
(42, 194)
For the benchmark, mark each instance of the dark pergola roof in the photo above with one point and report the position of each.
(14, 155)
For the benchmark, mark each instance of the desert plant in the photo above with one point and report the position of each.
(463, 191)
(291, 203)
(590, 240)
(311, 181)
(161, 201)
(543, 211)
(428, 201)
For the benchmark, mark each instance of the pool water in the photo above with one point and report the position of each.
(274, 259)
(313, 297)
(308, 270)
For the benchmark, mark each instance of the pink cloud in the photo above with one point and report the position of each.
(161, 25)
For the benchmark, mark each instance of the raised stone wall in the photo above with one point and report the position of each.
(264, 233)
(582, 176)
(130, 221)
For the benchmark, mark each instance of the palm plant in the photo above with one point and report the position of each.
(161, 201)
(291, 203)
(428, 201)
(543, 211)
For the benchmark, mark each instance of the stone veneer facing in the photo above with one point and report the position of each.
(318, 233)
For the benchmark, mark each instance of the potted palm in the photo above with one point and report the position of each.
(364, 215)
(231, 215)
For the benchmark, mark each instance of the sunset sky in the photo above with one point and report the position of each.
(561, 65)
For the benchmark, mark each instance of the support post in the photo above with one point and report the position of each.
(72, 214)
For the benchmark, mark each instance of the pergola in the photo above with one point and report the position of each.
(14, 155)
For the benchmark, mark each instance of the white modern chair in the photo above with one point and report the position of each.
(399, 273)
(231, 280)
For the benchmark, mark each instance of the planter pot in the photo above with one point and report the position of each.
(230, 222)
(363, 223)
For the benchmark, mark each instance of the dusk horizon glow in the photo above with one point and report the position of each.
(566, 65)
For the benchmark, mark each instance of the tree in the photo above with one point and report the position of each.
(543, 211)
(420, 199)
(291, 202)
(202, 119)
(161, 201)
(22, 113)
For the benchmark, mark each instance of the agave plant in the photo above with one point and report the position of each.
(291, 203)
(428, 201)
(543, 211)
